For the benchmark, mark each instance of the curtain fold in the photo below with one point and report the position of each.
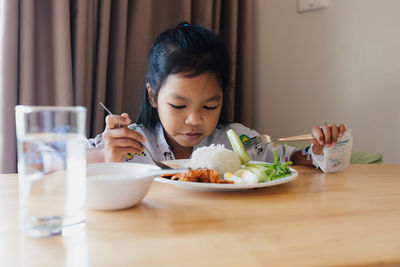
(100, 46)
(45, 64)
(9, 83)
(79, 52)
(244, 65)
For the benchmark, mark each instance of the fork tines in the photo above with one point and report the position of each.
(253, 142)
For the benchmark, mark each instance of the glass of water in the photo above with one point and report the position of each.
(51, 169)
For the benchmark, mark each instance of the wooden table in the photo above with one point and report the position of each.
(346, 218)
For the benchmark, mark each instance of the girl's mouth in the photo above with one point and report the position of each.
(191, 136)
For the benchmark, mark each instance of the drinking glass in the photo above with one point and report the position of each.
(51, 169)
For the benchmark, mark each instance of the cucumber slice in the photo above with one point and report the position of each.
(262, 175)
(238, 147)
(262, 167)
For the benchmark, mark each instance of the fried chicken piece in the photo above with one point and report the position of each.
(190, 176)
(209, 176)
(202, 175)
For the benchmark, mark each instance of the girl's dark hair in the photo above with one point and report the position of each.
(189, 51)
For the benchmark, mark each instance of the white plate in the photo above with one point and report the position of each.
(221, 187)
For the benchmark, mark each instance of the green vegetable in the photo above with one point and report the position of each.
(264, 171)
(261, 174)
(271, 171)
(258, 165)
(238, 147)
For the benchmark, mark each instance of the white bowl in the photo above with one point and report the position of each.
(113, 186)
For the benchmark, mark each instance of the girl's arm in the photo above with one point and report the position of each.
(299, 159)
(95, 155)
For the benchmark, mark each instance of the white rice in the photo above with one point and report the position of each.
(215, 157)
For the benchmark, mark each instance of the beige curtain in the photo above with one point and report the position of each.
(81, 52)
(8, 83)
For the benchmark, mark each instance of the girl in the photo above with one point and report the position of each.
(185, 106)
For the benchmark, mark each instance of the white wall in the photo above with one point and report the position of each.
(340, 64)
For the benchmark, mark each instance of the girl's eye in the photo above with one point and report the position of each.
(210, 108)
(177, 107)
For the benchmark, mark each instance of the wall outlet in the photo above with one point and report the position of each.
(310, 5)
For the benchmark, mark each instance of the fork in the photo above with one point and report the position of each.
(158, 163)
(266, 139)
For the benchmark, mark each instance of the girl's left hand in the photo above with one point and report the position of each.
(326, 135)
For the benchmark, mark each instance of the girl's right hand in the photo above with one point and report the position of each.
(119, 140)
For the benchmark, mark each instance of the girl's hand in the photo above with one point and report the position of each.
(120, 140)
(326, 136)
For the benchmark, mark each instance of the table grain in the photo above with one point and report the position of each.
(347, 218)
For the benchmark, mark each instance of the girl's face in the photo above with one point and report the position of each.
(189, 108)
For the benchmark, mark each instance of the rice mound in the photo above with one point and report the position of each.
(215, 157)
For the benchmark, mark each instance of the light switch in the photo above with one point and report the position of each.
(310, 5)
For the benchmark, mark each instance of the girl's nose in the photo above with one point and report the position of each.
(194, 118)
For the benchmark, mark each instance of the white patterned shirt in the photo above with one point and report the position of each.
(159, 148)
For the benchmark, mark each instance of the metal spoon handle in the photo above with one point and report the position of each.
(106, 109)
